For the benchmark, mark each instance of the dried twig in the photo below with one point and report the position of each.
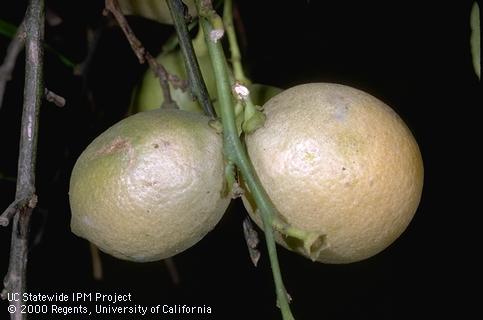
(141, 53)
(96, 262)
(25, 198)
(11, 210)
(13, 50)
(53, 97)
(251, 237)
(163, 77)
(172, 270)
(136, 45)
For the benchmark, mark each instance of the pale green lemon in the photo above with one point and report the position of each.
(340, 163)
(148, 95)
(156, 10)
(261, 93)
(150, 186)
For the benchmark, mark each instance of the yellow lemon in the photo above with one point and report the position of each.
(150, 186)
(340, 163)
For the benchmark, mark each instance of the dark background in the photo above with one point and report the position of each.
(414, 55)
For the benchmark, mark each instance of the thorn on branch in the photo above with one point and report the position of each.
(50, 96)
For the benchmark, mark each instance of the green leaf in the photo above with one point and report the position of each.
(475, 38)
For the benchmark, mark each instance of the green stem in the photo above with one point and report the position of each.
(234, 49)
(236, 153)
(252, 117)
(191, 63)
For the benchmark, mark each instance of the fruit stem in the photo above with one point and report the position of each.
(236, 153)
(252, 117)
(197, 84)
(234, 49)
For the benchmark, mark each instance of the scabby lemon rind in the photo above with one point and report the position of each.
(150, 186)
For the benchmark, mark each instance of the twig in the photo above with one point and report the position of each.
(234, 49)
(96, 262)
(251, 237)
(11, 210)
(50, 96)
(13, 50)
(141, 53)
(197, 84)
(172, 270)
(163, 77)
(235, 152)
(113, 7)
(15, 280)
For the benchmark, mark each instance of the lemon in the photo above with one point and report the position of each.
(340, 163)
(153, 9)
(261, 93)
(150, 186)
(149, 95)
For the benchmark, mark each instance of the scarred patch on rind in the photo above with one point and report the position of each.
(150, 186)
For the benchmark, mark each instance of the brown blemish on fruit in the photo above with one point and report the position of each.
(150, 183)
(161, 143)
(117, 144)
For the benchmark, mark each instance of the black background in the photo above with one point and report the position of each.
(414, 55)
